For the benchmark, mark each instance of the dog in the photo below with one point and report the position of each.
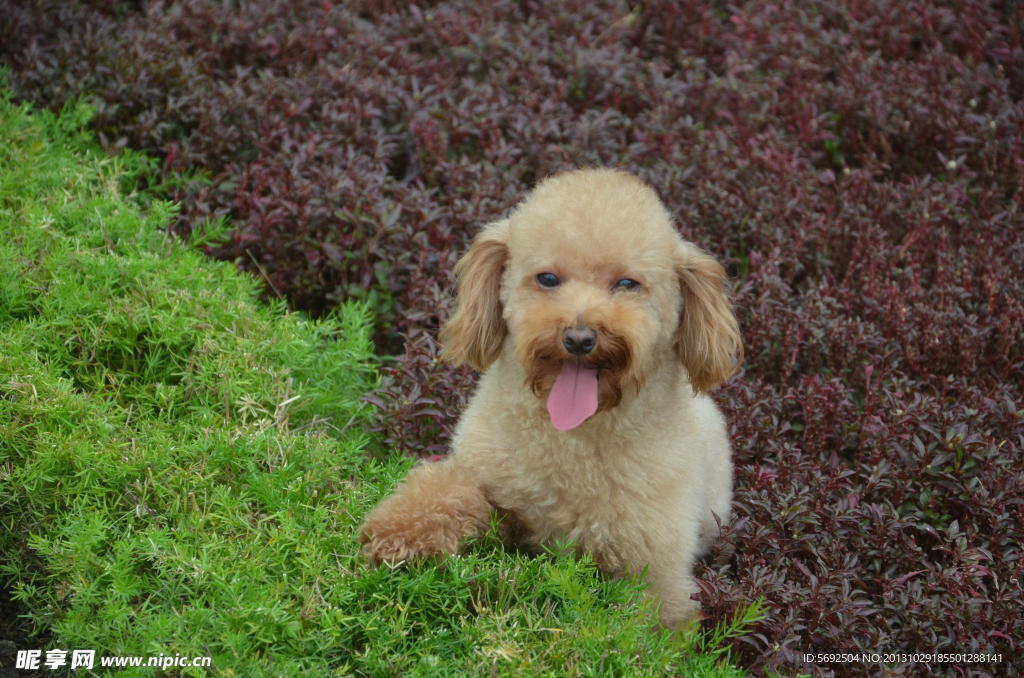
(598, 331)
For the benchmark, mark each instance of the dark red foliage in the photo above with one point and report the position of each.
(858, 165)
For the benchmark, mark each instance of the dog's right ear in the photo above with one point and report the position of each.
(476, 331)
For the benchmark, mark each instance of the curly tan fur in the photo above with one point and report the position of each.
(475, 332)
(647, 479)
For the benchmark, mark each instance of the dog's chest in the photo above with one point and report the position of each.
(603, 503)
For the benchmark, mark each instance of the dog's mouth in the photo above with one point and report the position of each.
(573, 398)
(575, 388)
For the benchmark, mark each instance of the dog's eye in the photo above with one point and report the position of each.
(627, 284)
(548, 280)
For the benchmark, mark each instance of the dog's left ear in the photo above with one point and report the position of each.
(476, 331)
(708, 338)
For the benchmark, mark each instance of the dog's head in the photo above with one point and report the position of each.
(593, 290)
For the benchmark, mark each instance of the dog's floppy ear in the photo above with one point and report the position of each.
(475, 332)
(708, 338)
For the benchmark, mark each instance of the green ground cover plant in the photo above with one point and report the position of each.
(183, 467)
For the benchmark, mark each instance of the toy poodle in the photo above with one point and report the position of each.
(598, 331)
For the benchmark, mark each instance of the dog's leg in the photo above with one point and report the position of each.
(432, 511)
(673, 588)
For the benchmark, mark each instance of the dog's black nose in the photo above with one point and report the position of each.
(579, 340)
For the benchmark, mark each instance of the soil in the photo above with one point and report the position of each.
(16, 634)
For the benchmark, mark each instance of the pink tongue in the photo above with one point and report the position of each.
(573, 398)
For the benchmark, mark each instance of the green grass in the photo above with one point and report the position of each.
(183, 468)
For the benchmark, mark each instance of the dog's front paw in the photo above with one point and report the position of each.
(430, 514)
(395, 539)
(680, 615)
